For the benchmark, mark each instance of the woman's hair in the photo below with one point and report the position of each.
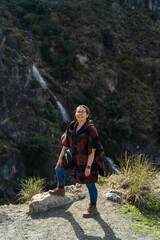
(86, 108)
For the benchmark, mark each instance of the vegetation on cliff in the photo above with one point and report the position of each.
(95, 53)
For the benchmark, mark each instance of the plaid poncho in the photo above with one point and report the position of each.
(86, 139)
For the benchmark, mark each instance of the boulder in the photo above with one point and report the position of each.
(44, 201)
(115, 196)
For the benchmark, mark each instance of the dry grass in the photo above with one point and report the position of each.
(30, 187)
(137, 178)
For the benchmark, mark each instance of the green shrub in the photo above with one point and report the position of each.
(50, 30)
(107, 37)
(61, 67)
(154, 16)
(38, 6)
(35, 104)
(101, 180)
(35, 83)
(127, 64)
(67, 48)
(46, 53)
(87, 98)
(53, 19)
(35, 28)
(114, 109)
(80, 101)
(35, 151)
(64, 62)
(20, 12)
(119, 128)
(50, 113)
(113, 146)
(30, 187)
(29, 18)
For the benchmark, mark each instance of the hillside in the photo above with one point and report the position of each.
(102, 54)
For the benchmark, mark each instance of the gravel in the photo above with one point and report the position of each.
(67, 223)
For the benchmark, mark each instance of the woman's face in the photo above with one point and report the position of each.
(81, 114)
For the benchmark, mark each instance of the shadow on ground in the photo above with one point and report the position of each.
(63, 213)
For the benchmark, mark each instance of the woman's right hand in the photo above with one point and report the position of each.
(59, 162)
(61, 155)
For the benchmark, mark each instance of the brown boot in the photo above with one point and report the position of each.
(60, 192)
(92, 209)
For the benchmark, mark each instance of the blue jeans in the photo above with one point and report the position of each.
(61, 178)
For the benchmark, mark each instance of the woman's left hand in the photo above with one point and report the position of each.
(87, 172)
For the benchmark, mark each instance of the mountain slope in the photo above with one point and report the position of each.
(96, 53)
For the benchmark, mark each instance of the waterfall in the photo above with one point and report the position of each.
(111, 166)
(62, 111)
(61, 108)
(39, 78)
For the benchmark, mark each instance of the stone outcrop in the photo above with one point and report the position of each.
(44, 201)
(105, 79)
(115, 196)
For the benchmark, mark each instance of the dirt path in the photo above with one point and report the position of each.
(67, 223)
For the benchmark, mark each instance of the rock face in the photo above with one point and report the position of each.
(105, 79)
(141, 4)
(45, 201)
(17, 116)
(10, 170)
(111, 73)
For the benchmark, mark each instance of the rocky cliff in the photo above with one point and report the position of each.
(104, 54)
(153, 5)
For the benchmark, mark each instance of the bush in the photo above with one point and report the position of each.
(64, 62)
(113, 146)
(30, 187)
(138, 175)
(50, 30)
(35, 151)
(50, 113)
(127, 64)
(67, 48)
(46, 53)
(38, 6)
(20, 12)
(35, 84)
(29, 18)
(119, 128)
(114, 109)
(36, 29)
(107, 37)
(87, 98)
(154, 17)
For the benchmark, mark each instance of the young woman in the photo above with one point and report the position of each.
(89, 162)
